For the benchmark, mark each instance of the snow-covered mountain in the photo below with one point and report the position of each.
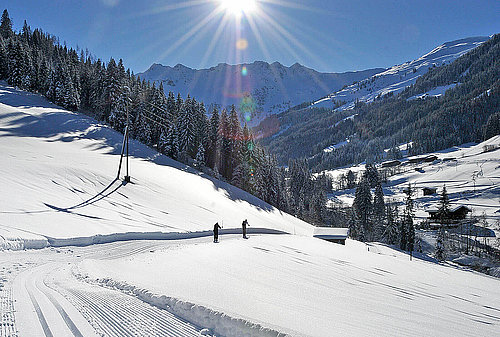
(257, 89)
(397, 78)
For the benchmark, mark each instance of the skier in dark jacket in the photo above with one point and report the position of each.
(216, 232)
(244, 227)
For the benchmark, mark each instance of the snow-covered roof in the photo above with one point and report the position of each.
(452, 210)
(331, 232)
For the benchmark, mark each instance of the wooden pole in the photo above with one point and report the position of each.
(127, 176)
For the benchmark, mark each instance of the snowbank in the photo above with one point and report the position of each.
(215, 321)
(307, 287)
(13, 239)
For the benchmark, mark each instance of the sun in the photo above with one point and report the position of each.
(239, 7)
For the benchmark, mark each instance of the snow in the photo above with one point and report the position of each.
(336, 146)
(454, 168)
(58, 185)
(58, 188)
(398, 77)
(436, 92)
(304, 286)
(272, 88)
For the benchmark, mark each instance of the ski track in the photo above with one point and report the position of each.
(40, 296)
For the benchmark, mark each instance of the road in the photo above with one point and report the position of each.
(40, 295)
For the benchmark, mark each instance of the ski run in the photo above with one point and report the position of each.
(137, 259)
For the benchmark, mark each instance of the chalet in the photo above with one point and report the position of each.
(429, 190)
(427, 159)
(456, 214)
(430, 158)
(391, 163)
(332, 234)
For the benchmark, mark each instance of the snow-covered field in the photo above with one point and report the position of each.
(308, 287)
(58, 184)
(471, 176)
(58, 188)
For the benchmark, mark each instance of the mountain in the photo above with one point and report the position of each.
(397, 78)
(256, 89)
(449, 105)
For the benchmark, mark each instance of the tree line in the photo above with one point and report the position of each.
(215, 142)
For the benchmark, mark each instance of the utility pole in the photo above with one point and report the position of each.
(125, 149)
(127, 177)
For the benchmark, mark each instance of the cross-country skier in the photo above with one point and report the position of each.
(244, 227)
(216, 232)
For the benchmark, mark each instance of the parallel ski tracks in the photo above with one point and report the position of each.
(52, 301)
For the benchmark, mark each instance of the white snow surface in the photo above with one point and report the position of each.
(397, 78)
(436, 92)
(58, 185)
(308, 287)
(454, 168)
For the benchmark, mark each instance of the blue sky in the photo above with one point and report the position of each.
(327, 35)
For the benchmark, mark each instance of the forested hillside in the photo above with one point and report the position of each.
(468, 111)
(179, 128)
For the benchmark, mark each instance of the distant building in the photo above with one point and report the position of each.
(391, 163)
(332, 234)
(455, 215)
(429, 190)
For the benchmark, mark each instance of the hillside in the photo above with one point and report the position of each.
(256, 89)
(471, 176)
(449, 105)
(61, 166)
(397, 78)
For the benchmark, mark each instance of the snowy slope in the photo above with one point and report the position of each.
(397, 78)
(58, 184)
(260, 86)
(454, 168)
(307, 287)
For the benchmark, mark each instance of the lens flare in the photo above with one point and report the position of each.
(247, 107)
(241, 44)
(244, 71)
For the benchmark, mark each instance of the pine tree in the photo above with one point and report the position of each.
(440, 252)
(213, 138)
(444, 206)
(363, 207)
(379, 210)
(6, 25)
(408, 220)
(391, 233)
(187, 127)
(224, 145)
(235, 136)
(199, 161)
(4, 60)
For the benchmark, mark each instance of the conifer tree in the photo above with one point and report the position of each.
(213, 139)
(6, 25)
(444, 206)
(408, 220)
(199, 160)
(363, 206)
(391, 233)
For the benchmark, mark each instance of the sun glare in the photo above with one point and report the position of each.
(239, 7)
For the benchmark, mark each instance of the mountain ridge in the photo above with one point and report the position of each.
(257, 89)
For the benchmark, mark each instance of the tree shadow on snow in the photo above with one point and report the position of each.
(44, 120)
